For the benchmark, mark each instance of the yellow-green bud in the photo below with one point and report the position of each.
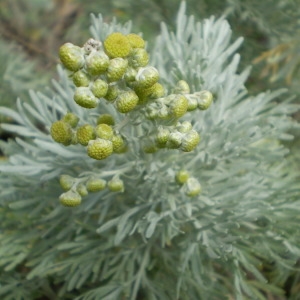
(158, 91)
(99, 88)
(162, 137)
(66, 181)
(149, 147)
(190, 140)
(71, 119)
(99, 149)
(179, 106)
(126, 101)
(85, 133)
(95, 184)
(118, 144)
(115, 185)
(106, 119)
(70, 199)
(71, 57)
(116, 69)
(84, 97)
(81, 78)
(138, 58)
(192, 187)
(182, 87)
(117, 45)
(104, 131)
(130, 74)
(205, 99)
(175, 139)
(61, 132)
(146, 77)
(97, 63)
(112, 92)
(182, 176)
(135, 40)
(82, 190)
(192, 103)
(184, 127)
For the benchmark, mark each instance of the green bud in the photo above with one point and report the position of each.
(158, 91)
(61, 132)
(126, 101)
(178, 106)
(71, 119)
(112, 92)
(182, 176)
(135, 40)
(205, 99)
(71, 57)
(116, 185)
(192, 187)
(85, 133)
(190, 141)
(81, 78)
(175, 139)
(130, 74)
(106, 119)
(138, 58)
(184, 127)
(82, 190)
(85, 98)
(146, 77)
(192, 102)
(99, 149)
(117, 45)
(116, 69)
(97, 63)
(162, 137)
(104, 131)
(95, 184)
(99, 88)
(149, 147)
(182, 87)
(66, 182)
(70, 199)
(118, 144)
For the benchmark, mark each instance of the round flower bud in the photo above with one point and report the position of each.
(112, 92)
(99, 88)
(116, 69)
(71, 57)
(205, 99)
(135, 40)
(85, 133)
(138, 58)
(70, 199)
(95, 184)
(190, 141)
(82, 190)
(149, 147)
(84, 97)
(130, 74)
(179, 106)
(162, 137)
(174, 140)
(184, 127)
(66, 181)
(115, 185)
(117, 45)
(146, 77)
(126, 101)
(192, 187)
(106, 119)
(192, 103)
(71, 119)
(118, 144)
(81, 78)
(182, 176)
(61, 132)
(97, 63)
(143, 93)
(104, 131)
(157, 91)
(99, 149)
(182, 87)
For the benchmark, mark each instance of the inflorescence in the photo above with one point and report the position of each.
(116, 71)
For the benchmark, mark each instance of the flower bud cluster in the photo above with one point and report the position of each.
(101, 140)
(76, 188)
(190, 185)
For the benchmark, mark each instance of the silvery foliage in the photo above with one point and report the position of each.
(152, 241)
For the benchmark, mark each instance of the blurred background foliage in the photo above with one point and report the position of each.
(32, 31)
